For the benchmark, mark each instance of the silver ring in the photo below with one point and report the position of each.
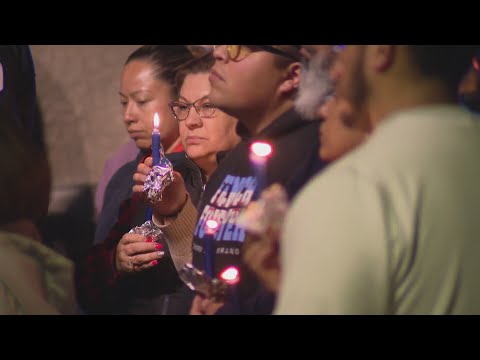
(130, 263)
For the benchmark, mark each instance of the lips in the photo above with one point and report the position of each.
(135, 134)
(193, 140)
(215, 76)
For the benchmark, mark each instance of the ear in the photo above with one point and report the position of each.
(291, 80)
(383, 57)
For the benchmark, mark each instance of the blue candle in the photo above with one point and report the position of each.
(231, 275)
(155, 154)
(259, 154)
(156, 140)
(209, 248)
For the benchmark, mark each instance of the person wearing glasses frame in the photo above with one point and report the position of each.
(153, 286)
(240, 52)
(339, 134)
(257, 85)
(204, 132)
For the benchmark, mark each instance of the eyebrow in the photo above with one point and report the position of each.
(134, 93)
(186, 100)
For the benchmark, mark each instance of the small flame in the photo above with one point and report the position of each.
(212, 224)
(261, 149)
(156, 121)
(230, 275)
(211, 227)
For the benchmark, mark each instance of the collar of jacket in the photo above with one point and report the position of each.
(284, 124)
(287, 122)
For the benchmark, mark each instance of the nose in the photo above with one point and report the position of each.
(193, 120)
(325, 109)
(220, 52)
(129, 113)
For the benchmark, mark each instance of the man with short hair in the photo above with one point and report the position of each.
(256, 84)
(398, 215)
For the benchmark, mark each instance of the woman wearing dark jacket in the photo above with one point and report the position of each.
(256, 84)
(106, 281)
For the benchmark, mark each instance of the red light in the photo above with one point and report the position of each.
(230, 275)
(211, 227)
(261, 149)
(476, 66)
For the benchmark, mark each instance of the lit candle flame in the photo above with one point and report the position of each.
(156, 121)
(261, 149)
(211, 227)
(230, 275)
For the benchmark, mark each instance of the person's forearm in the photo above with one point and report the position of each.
(179, 235)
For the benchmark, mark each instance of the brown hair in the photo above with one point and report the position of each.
(199, 65)
(166, 59)
(25, 181)
(292, 50)
(448, 63)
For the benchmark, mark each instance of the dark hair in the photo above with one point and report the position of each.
(199, 65)
(166, 59)
(446, 62)
(292, 50)
(26, 179)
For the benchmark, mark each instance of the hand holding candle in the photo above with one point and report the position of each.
(161, 174)
(230, 275)
(198, 281)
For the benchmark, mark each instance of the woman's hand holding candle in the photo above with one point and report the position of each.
(174, 196)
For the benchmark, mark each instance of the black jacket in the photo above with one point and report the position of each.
(294, 161)
(157, 290)
(119, 189)
(18, 96)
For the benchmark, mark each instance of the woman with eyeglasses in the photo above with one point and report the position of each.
(140, 276)
(257, 85)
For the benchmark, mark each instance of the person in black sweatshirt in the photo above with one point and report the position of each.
(257, 85)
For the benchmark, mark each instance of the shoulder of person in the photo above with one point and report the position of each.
(176, 157)
(181, 163)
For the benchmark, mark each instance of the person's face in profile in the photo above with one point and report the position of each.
(348, 72)
(141, 95)
(246, 82)
(337, 137)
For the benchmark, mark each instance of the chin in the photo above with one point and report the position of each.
(194, 155)
(215, 98)
(325, 155)
(143, 144)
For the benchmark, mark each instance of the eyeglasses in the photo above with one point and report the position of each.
(182, 109)
(240, 52)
